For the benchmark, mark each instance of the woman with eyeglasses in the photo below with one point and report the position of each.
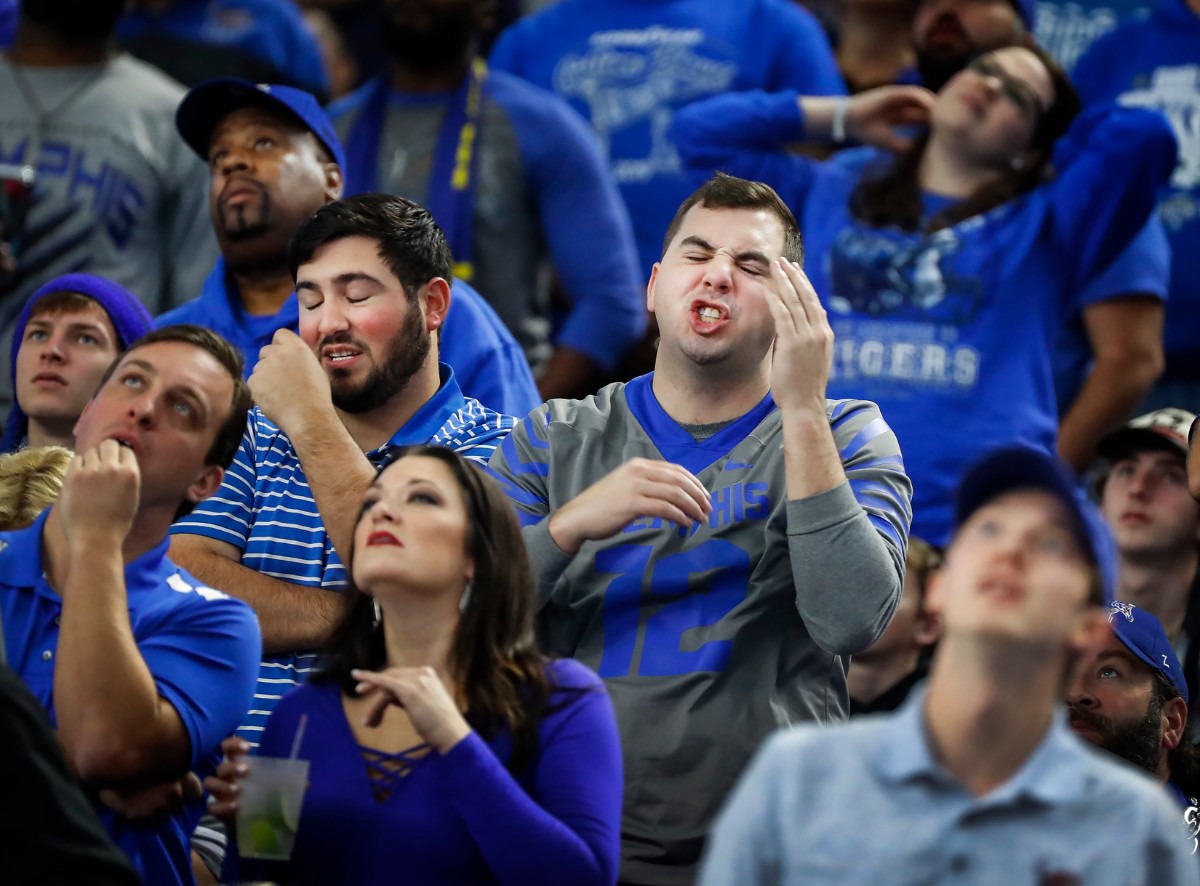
(443, 747)
(949, 262)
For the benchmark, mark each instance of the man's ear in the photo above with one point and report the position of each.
(1174, 721)
(208, 482)
(928, 627)
(334, 182)
(435, 300)
(650, 288)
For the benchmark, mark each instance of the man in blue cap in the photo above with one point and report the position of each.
(274, 159)
(1129, 697)
(977, 778)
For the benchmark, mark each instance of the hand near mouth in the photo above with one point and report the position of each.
(289, 385)
(100, 496)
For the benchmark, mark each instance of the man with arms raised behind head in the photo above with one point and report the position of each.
(274, 160)
(715, 538)
(372, 276)
(978, 778)
(141, 668)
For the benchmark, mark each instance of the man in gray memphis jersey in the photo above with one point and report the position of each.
(715, 538)
(116, 193)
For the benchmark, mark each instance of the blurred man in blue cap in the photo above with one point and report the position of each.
(1129, 697)
(977, 778)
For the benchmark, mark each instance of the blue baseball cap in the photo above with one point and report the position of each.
(1019, 467)
(1143, 635)
(206, 105)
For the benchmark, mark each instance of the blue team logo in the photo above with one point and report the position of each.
(878, 273)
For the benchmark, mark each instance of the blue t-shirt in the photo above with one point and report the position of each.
(1155, 63)
(949, 332)
(201, 647)
(628, 65)
(486, 359)
(459, 817)
(1067, 28)
(264, 41)
(265, 508)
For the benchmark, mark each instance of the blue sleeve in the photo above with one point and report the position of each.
(487, 361)
(506, 53)
(586, 226)
(744, 846)
(1090, 74)
(1112, 162)
(206, 665)
(802, 57)
(302, 60)
(744, 134)
(1143, 268)
(228, 514)
(568, 831)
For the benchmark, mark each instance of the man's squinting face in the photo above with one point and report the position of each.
(60, 361)
(1015, 571)
(709, 291)
(166, 401)
(268, 173)
(370, 337)
(1148, 507)
(1111, 702)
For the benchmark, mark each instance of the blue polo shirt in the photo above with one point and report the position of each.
(869, 802)
(201, 647)
(487, 360)
(265, 508)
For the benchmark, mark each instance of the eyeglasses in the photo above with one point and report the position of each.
(1019, 93)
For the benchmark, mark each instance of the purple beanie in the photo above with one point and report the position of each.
(128, 315)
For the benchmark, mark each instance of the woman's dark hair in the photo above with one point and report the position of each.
(892, 197)
(493, 656)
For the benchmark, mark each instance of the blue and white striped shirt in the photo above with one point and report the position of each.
(266, 509)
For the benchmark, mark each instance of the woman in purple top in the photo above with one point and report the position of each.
(444, 748)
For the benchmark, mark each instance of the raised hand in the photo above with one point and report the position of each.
(288, 382)
(803, 355)
(423, 696)
(100, 495)
(878, 116)
(641, 487)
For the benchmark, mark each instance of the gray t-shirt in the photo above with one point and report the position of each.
(117, 192)
(710, 639)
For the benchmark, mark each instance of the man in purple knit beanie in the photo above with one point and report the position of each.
(66, 337)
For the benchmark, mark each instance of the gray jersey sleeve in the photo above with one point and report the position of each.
(847, 545)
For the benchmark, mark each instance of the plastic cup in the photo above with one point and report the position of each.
(269, 806)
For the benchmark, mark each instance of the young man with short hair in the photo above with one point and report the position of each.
(142, 669)
(977, 778)
(64, 341)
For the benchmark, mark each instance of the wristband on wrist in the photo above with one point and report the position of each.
(838, 130)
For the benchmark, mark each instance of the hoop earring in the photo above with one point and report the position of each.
(378, 613)
(465, 600)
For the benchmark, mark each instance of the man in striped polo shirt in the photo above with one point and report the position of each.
(372, 276)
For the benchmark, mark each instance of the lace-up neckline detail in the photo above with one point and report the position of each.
(386, 772)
